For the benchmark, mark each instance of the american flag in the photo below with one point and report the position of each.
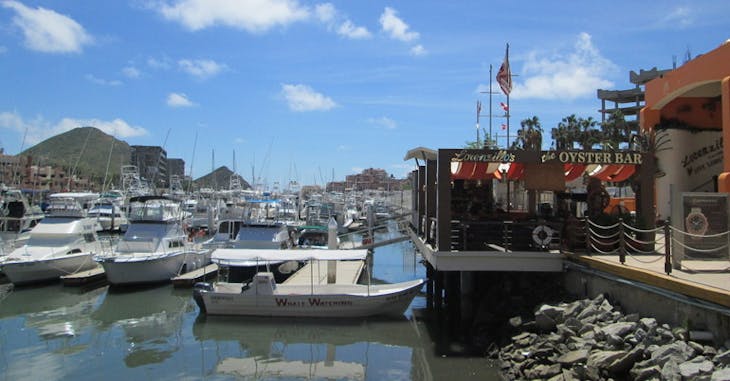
(504, 76)
(504, 106)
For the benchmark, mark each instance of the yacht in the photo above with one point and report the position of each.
(64, 242)
(155, 247)
(17, 217)
(109, 214)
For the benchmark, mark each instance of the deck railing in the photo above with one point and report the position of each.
(667, 242)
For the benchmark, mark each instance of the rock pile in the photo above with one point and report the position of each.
(593, 340)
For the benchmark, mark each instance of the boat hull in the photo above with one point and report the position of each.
(130, 269)
(327, 301)
(43, 270)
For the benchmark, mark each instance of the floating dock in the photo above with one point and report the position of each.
(190, 278)
(83, 278)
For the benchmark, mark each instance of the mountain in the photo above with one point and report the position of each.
(86, 149)
(220, 179)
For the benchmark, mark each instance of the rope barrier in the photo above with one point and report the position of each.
(717, 235)
(634, 239)
(639, 251)
(603, 252)
(601, 226)
(699, 250)
(593, 233)
(655, 230)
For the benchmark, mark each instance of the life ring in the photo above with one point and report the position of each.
(542, 235)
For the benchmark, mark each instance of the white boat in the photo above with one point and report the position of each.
(264, 297)
(238, 234)
(155, 247)
(109, 214)
(17, 217)
(63, 243)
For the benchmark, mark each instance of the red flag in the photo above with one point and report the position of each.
(504, 106)
(504, 76)
(504, 126)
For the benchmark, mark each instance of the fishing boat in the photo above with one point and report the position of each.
(17, 217)
(63, 243)
(109, 214)
(155, 247)
(263, 296)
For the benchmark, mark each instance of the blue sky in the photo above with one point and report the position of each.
(301, 90)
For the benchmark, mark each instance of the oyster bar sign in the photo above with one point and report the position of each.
(587, 157)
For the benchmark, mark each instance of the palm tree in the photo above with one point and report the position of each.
(529, 137)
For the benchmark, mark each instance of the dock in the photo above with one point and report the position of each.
(315, 272)
(190, 278)
(83, 278)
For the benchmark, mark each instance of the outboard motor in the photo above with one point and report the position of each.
(198, 289)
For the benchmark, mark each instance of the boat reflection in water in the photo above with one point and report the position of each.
(151, 319)
(41, 327)
(52, 310)
(320, 349)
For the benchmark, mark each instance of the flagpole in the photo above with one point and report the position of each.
(490, 105)
(509, 73)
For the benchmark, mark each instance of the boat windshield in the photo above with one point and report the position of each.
(154, 211)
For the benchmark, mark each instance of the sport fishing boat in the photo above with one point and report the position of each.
(64, 242)
(264, 297)
(155, 247)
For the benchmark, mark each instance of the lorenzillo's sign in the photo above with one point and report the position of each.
(563, 157)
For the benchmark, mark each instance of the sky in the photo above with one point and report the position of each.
(312, 91)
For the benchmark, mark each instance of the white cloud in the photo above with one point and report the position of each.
(418, 50)
(39, 129)
(159, 64)
(131, 72)
(254, 16)
(328, 15)
(201, 68)
(304, 98)
(344, 148)
(3, 49)
(103, 82)
(576, 74)
(179, 100)
(350, 30)
(384, 122)
(325, 12)
(47, 31)
(395, 27)
(239, 140)
(680, 17)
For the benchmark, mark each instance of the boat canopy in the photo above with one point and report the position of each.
(235, 255)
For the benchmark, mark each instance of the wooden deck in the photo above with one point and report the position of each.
(190, 278)
(84, 277)
(705, 280)
(348, 272)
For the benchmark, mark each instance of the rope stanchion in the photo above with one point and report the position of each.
(601, 226)
(637, 230)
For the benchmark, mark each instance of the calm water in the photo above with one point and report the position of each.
(54, 332)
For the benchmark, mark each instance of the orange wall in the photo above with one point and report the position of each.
(711, 66)
(696, 112)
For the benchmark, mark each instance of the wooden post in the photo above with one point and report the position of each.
(621, 242)
(587, 227)
(667, 248)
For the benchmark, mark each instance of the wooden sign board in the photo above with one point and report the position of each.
(547, 176)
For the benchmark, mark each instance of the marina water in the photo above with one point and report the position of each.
(60, 333)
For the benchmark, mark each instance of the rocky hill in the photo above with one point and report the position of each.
(84, 151)
(220, 179)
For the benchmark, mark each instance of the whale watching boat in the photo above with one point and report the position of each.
(264, 297)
